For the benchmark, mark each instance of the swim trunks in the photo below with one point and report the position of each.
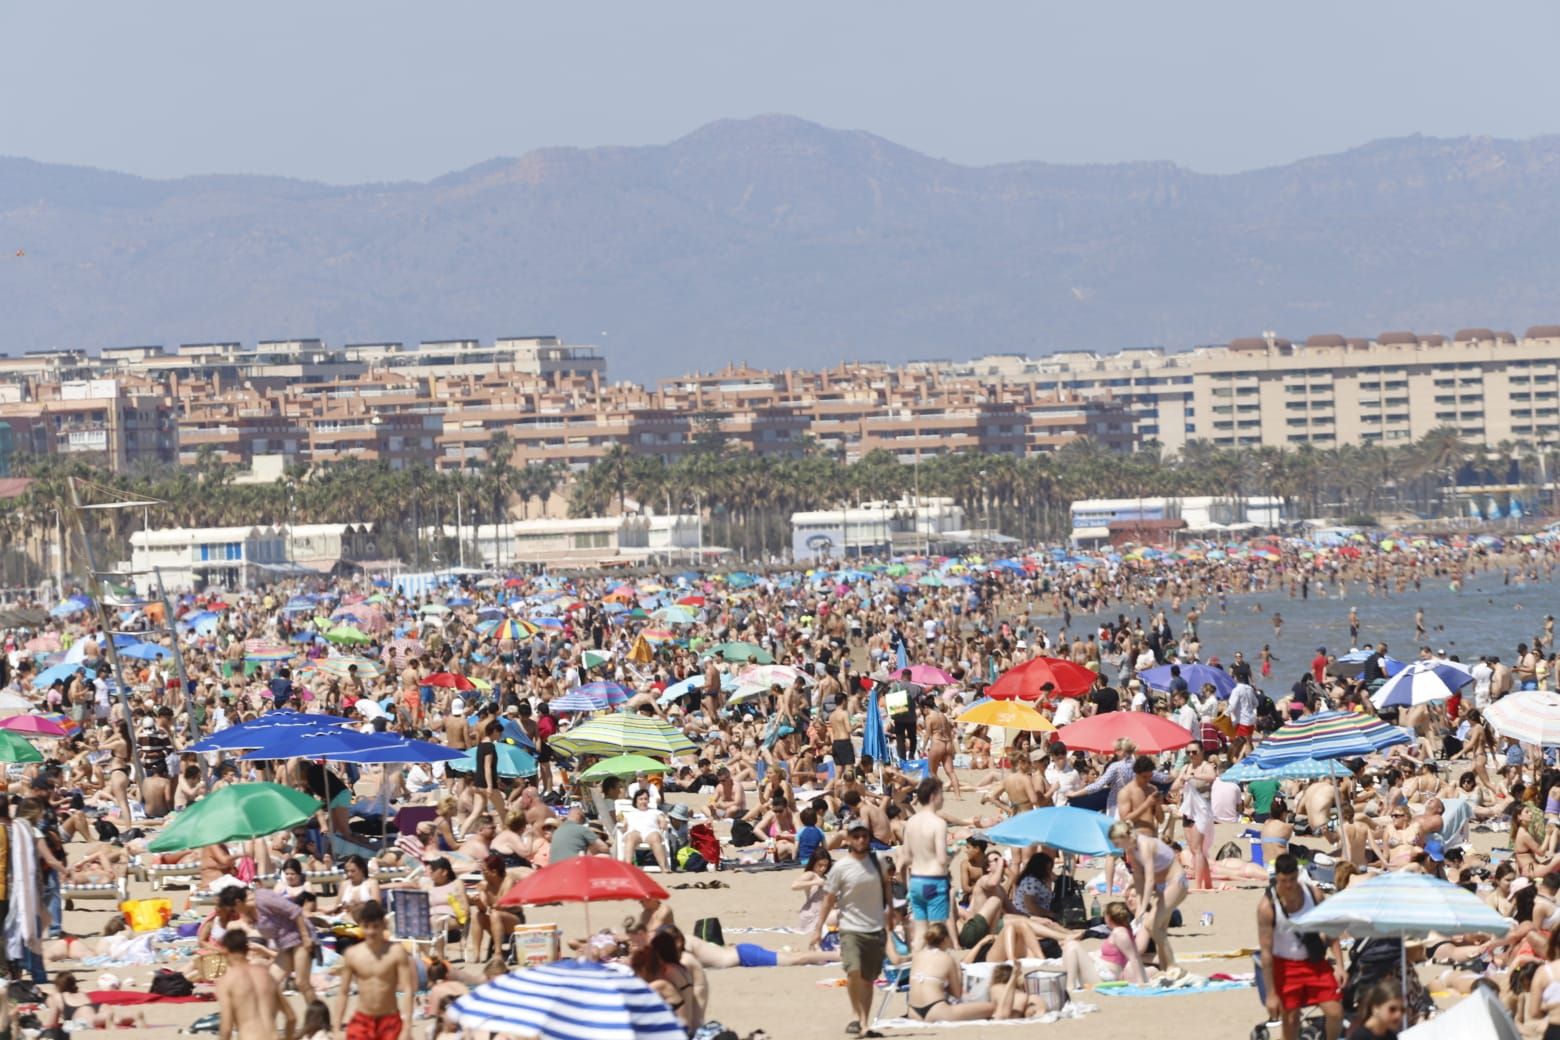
(929, 897)
(374, 1027)
(844, 753)
(751, 955)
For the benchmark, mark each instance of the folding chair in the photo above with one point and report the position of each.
(411, 917)
(897, 977)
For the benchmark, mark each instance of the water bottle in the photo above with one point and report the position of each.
(1094, 907)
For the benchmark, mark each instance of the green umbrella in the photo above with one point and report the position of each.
(595, 658)
(741, 652)
(14, 748)
(622, 765)
(235, 812)
(347, 634)
(621, 734)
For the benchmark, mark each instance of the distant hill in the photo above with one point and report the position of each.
(781, 242)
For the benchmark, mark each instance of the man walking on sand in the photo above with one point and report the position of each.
(381, 968)
(248, 999)
(859, 887)
(926, 845)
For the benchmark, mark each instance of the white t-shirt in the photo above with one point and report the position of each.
(1243, 705)
(1066, 711)
(1066, 779)
(1482, 674)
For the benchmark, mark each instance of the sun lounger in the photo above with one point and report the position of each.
(81, 891)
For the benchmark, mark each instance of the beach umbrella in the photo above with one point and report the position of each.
(1417, 684)
(404, 750)
(1530, 717)
(621, 734)
(606, 693)
(692, 684)
(235, 812)
(576, 702)
(341, 667)
(512, 761)
(513, 629)
(11, 703)
(144, 652)
(1064, 827)
(1151, 733)
(595, 658)
(434, 608)
(402, 648)
(54, 673)
(347, 635)
(766, 674)
(1027, 681)
(14, 748)
(1006, 714)
(1353, 663)
(34, 726)
(568, 1000)
(621, 765)
(321, 744)
(675, 615)
(740, 651)
(926, 675)
(267, 650)
(449, 681)
(1245, 771)
(1196, 675)
(874, 742)
(1327, 734)
(583, 879)
(73, 605)
(259, 732)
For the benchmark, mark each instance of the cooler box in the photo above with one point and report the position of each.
(536, 944)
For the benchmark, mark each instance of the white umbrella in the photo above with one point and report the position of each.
(1420, 683)
(1532, 717)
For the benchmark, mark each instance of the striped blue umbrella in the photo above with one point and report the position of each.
(1399, 904)
(1420, 683)
(569, 1000)
(1327, 734)
(1305, 769)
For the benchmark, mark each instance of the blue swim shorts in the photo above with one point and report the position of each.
(929, 897)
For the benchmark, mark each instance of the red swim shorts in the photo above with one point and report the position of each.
(1300, 983)
(1245, 731)
(370, 1027)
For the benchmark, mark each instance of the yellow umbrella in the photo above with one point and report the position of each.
(1008, 715)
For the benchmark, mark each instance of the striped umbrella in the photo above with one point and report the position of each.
(512, 629)
(622, 734)
(605, 693)
(267, 650)
(568, 1000)
(1532, 717)
(341, 667)
(574, 702)
(1419, 683)
(1328, 734)
(1246, 770)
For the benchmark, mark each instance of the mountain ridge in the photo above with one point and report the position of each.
(791, 244)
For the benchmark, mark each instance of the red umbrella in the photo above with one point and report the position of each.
(583, 879)
(450, 680)
(1151, 733)
(1025, 681)
(691, 601)
(35, 725)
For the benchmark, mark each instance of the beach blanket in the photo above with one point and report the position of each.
(1110, 989)
(1072, 1009)
(126, 996)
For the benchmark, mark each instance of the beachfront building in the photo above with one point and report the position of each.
(1156, 520)
(575, 541)
(206, 557)
(874, 528)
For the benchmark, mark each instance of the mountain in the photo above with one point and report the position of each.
(781, 242)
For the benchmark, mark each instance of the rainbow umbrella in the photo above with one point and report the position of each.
(512, 629)
(267, 650)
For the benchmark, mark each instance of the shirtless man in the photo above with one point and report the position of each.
(457, 734)
(841, 748)
(1139, 803)
(876, 819)
(247, 996)
(382, 969)
(926, 846)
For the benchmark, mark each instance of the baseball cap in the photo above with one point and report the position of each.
(858, 824)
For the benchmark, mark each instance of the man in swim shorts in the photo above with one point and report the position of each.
(926, 844)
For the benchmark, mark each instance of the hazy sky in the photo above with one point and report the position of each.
(350, 90)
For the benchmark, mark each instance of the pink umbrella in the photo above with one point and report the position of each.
(926, 675)
(33, 725)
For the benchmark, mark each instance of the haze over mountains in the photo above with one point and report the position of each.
(784, 243)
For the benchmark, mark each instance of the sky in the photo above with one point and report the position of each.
(349, 91)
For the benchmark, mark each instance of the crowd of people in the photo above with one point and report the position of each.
(775, 679)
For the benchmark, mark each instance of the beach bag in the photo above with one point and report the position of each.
(171, 984)
(690, 862)
(1067, 902)
(708, 929)
(702, 839)
(245, 870)
(146, 915)
(743, 834)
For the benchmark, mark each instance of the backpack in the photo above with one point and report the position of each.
(743, 834)
(702, 839)
(171, 984)
(689, 861)
(708, 929)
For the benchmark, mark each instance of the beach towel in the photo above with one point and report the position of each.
(1073, 1009)
(125, 996)
(1454, 821)
(1112, 989)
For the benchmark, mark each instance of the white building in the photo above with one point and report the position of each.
(205, 557)
(1092, 517)
(577, 541)
(873, 527)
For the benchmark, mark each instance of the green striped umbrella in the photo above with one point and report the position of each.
(624, 734)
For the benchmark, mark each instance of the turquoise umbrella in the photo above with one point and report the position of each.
(512, 761)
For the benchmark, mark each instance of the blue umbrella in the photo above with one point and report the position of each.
(873, 741)
(569, 1000)
(512, 761)
(1196, 675)
(403, 750)
(202, 623)
(325, 743)
(145, 652)
(49, 676)
(1064, 827)
(74, 605)
(575, 700)
(514, 732)
(263, 730)
(1247, 770)
(1419, 683)
(1389, 665)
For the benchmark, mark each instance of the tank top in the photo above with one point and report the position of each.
(1286, 937)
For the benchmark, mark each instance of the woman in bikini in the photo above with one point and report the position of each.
(357, 888)
(779, 826)
(119, 771)
(1120, 957)
(1158, 880)
(939, 743)
(937, 983)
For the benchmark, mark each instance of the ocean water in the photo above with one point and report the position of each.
(1486, 616)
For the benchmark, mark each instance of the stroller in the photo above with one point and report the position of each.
(1372, 960)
